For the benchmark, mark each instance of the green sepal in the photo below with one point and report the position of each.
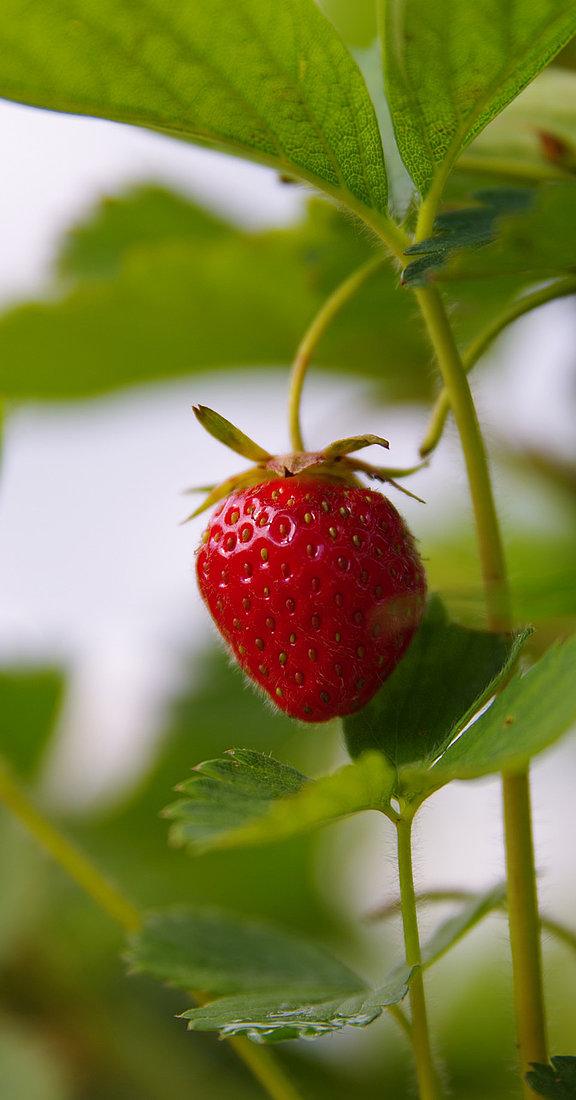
(229, 434)
(354, 443)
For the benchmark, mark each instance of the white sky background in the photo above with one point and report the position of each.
(94, 567)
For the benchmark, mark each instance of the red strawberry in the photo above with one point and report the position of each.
(314, 583)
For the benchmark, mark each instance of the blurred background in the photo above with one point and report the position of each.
(139, 276)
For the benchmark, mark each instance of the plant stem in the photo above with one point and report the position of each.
(265, 1068)
(76, 865)
(427, 1081)
(257, 1059)
(524, 923)
(559, 289)
(521, 876)
(323, 319)
(488, 531)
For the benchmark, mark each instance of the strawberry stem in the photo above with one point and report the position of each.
(321, 322)
(419, 1033)
(257, 1059)
(524, 923)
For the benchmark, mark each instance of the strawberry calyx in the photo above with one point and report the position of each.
(334, 463)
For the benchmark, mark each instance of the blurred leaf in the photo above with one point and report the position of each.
(452, 930)
(274, 84)
(451, 67)
(219, 953)
(143, 308)
(535, 136)
(144, 216)
(250, 799)
(556, 1081)
(30, 700)
(446, 676)
(532, 712)
(458, 230)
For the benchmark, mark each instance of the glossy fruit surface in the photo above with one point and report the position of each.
(316, 587)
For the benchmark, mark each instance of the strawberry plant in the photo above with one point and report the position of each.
(443, 152)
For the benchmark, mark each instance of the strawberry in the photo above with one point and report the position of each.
(313, 580)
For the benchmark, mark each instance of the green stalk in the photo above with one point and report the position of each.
(323, 319)
(257, 1059)
(521, 878)
(70, 858)
(420, 1036)
(559, 289)
(456, 383)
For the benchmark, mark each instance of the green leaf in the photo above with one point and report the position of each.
(458, 230)
(221, 953)
(272, 83)
(145, 307)
(556, 1081)
(249, 799)
(270, 983)
(451, 67)
(528, 716)
(222, 795)
(30, 701)
(447, 675)
(275, 1017)
(228, 434)
(538, 242)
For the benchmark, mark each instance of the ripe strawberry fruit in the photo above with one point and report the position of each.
(314, 583)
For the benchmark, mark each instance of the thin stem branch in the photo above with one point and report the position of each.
(323, 319)
(70, 858)
(427, 1080)
(560, 289)
(257, 1059)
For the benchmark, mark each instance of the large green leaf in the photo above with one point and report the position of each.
(219, 953)
(153, 287)
(247, 798)
(446, 676)
(451, 67)
(271, 82)
(530, 714)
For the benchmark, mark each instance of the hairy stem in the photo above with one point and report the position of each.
(560, 289)
(420, 1037)
(257, 1059)
(521, 877)
(323, 319)
(524, 923)
(488, 530)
